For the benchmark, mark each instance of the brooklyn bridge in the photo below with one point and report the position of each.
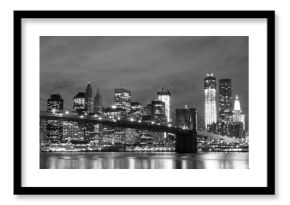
(186, 140)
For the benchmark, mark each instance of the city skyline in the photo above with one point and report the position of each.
(234, 113)
(77, 61)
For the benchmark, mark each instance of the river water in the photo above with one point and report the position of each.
(129, 160)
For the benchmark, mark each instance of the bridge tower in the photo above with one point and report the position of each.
(186, 142)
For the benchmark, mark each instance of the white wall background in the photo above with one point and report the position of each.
(282, 96)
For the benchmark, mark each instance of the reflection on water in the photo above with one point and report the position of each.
(126, 160)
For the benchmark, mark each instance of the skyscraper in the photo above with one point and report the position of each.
(210, 99)
(79, 105)
(54, 128)
(55, 104)
(136, 110)
(164, 96)
(225, 100)
(98, 103)
(89, 98)
(237, 112)
(225, 107)
(70, 130)
(114, 113)
(123, 99)
(243, 120)
(158, 111)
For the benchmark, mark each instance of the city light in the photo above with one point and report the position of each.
(237, 113)
(122, 99)
(88, 132)
(164, 96)
(210, 100)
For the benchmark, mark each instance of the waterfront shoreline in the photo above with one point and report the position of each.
(143, 160)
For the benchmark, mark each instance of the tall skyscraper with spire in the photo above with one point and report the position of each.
(164, 96)
(210, 99)
(98, 103)
(237, 112)
(89, 98)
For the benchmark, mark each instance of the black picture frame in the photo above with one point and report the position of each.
(268, 190)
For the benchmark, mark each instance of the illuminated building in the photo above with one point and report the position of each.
(77, 132)
(43, 132)
(164, 96)
(132, 136)
(54, 127)
(210, 100)
(114, 113)
(145, 139)
(225, 100)
(55, 104)
(98, 109)
(88, 131)
(158, 111)
(136, 110)
(237, 110)
(89, 98)
(186, 117)
(70, 131)
(225, 107)
(119, 137)
(54, 131)
(98, 133)
(123, 99)
(237, 113)
(79, 105)
(243, 120)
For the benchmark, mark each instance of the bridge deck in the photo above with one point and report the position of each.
(134, 125)
(117, 123)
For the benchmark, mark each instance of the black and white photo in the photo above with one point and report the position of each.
(144, 102)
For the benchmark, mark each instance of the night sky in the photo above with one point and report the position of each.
(142, 64)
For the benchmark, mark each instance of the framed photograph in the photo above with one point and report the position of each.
(144, 102)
